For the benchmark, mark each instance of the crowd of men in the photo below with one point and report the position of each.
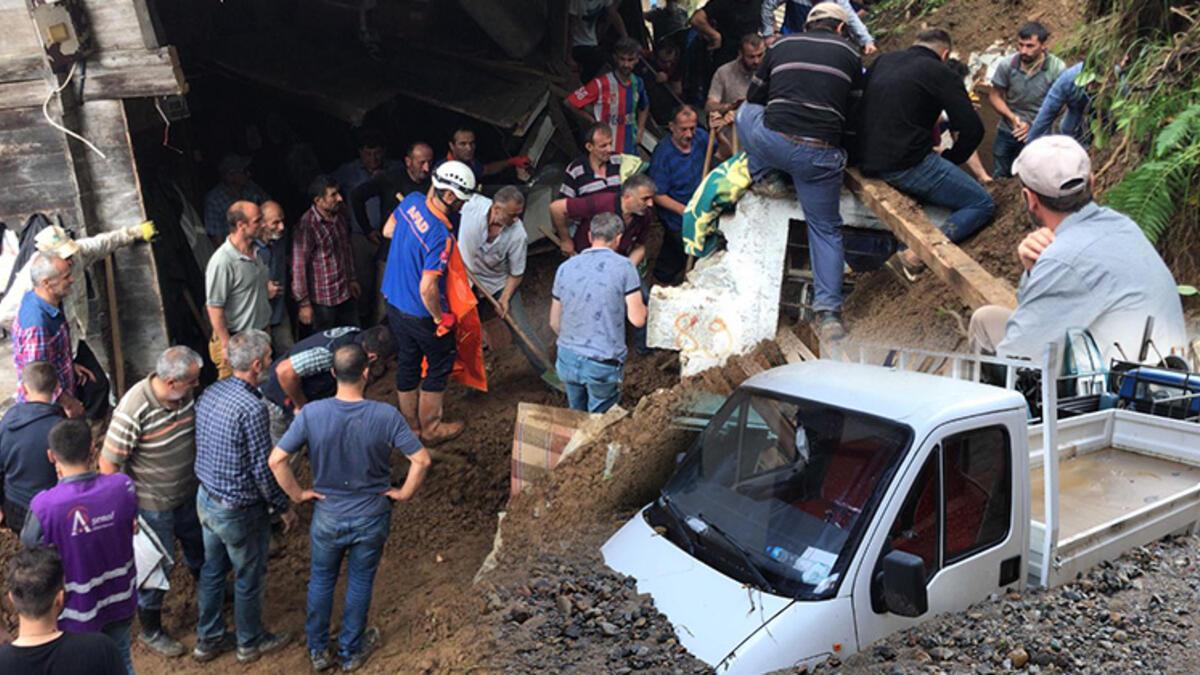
(370, 284)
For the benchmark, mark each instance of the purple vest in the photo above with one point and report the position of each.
(90, 522)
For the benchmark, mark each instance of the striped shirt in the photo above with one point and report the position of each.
(809, 83)
(616, 105)
(155, 445)
(580, 181)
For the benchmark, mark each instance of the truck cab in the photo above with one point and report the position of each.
(827, 505)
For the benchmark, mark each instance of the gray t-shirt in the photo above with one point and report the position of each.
(730, 83)
(238, 283)
(592, 287)
(1024, 93)
(1102, 274)
(492, 262)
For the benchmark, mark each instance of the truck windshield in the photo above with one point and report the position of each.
(776, 492)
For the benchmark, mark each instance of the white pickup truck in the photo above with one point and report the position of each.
(828, 504)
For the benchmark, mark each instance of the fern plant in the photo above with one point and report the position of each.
(1153, 192)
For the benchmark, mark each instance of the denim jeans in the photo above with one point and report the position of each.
(1004, 152)
(591, 385)
(119, 631)
(817, 175)
(516, 311)
(360, 541)
(180, 523)
(236, 539)
(937, 181)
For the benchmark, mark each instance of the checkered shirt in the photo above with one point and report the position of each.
(232, 444)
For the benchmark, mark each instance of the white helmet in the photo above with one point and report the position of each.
(455, 177)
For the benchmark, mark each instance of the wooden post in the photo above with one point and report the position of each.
(947, 261)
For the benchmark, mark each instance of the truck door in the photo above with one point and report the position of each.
(959, 507)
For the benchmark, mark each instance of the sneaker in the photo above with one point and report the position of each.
(161, 642)
(829, 325)
(371, 640)
(207, 650)
(773, 183)
(321, 661)
(269, 643)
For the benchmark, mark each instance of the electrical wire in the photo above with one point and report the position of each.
(167, 128)
(56, 125)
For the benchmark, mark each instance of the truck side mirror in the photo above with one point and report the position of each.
(904, 590)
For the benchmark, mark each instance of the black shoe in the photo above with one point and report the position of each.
(829, 325)
(321, 661)
(267, 644)
(371, 640)
(206, 651)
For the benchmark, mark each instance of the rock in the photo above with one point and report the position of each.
(922, 656)
(1019, 657)
(608, 629)
(885, 653)
(519, 613)
(1120, 636)
(941, 653)
(563, 603)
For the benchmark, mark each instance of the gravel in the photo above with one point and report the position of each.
(1132, 615)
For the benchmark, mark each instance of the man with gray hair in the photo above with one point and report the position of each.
(492, 242)
(593, 294)
(236, 283)
(234, 503)
(152, 437)
(41, 332)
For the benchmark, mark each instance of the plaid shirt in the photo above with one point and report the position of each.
(41, 333)
(322, 263)
(232, 445)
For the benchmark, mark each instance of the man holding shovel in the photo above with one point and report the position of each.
(492, 243)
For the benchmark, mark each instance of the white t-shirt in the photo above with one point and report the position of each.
(583, 32)
(492, 262)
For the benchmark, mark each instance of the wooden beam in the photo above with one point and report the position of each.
(947, 261)
(126, 73)
(793, 348)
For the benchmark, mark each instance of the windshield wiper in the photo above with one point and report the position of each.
(737, 548)
(680, 522)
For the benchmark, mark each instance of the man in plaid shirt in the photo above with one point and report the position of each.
(237, 495)
(322, 261)
(41, 331)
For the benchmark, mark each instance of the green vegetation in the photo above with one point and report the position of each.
(1142, 58)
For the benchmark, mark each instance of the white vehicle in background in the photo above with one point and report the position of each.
(829, 504)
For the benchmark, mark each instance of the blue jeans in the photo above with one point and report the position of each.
(591, 385)
(1004, 152)
(937, 181)
(119, 631)
(236, 539)
(182, 524)
(817, 175)
(360, 540)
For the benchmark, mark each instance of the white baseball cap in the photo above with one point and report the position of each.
(1054, 166)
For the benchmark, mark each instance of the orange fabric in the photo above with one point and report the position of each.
(468, 331)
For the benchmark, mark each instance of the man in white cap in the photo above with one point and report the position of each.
(1086, 266)
(793, 121)
(79, 254)
(418, 311)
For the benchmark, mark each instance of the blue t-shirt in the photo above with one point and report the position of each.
(592, 287)
(677, 174)
(350, 446)
(421, 243)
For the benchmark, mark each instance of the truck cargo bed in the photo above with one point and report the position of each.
(1107, 484)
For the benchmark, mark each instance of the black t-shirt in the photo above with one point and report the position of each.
(733, 19)
(69, 654)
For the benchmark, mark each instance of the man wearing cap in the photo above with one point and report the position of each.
(418, 311)
(1086, 266)
(793, 121)
(79, 255)
(235, 185)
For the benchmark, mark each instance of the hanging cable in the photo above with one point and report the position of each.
(56, 125)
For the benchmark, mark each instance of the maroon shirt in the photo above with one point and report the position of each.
(322, 262)
(583, 209)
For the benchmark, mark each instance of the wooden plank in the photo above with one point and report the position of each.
(20, 37)
(147, 21)
(794, 350)
(130, 73)
(17, 68)
(115, 24)
(947, 261)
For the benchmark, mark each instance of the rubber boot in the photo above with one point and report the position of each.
(435, 430)
(408, 408)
